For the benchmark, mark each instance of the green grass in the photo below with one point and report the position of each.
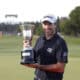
(10, 68)
(72, 71)
(73, 46)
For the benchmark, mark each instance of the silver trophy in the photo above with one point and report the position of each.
(27, 55)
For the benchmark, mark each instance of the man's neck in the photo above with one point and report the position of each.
(49, 36)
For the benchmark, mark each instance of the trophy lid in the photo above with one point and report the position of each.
(27, 26)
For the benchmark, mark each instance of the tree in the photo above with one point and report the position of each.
(64, 25)
(75, 20)
(58, 24)
(38, 28)
(71, 25)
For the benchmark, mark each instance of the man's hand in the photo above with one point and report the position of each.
(26, 43)
(36, 65)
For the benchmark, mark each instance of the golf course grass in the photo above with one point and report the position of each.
(11, 69)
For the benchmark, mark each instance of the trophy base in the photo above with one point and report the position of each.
(27, 62)
(27, 56)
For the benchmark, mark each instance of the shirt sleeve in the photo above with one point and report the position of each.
(62, 52)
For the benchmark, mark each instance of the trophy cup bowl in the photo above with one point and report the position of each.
(27, 55)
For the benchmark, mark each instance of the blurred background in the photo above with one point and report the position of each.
(13, 13)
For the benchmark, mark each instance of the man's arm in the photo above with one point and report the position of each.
(59, 67)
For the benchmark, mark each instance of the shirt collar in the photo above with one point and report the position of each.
(53, 37)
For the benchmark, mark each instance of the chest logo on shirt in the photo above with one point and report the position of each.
(49, 50)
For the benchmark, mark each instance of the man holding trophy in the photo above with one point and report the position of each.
(50, 52)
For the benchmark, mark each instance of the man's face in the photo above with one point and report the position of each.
(48, 28)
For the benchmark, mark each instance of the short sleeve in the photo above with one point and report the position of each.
(62, 52)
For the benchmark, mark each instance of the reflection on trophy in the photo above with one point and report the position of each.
(27, 55)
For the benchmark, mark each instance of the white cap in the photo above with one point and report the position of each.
(49, 18)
